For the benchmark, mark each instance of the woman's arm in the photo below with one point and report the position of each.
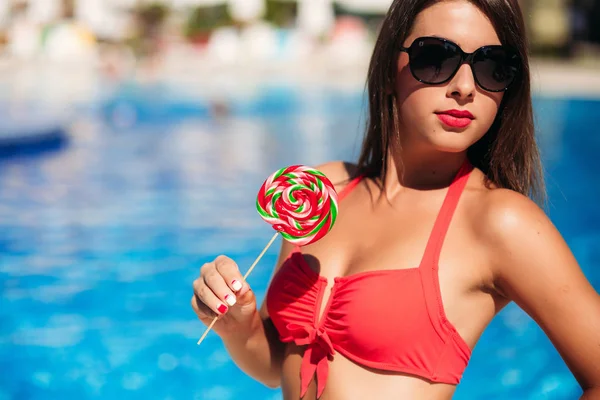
(535, 268)
(260, 353)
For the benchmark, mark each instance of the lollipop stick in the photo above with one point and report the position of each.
(207, 330)
(262, 253)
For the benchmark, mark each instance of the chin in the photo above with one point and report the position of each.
(454, 141)
(451, 148)
(450, 142)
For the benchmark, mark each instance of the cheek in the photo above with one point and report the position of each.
(412, 97)
(415, 106)
(405, 83)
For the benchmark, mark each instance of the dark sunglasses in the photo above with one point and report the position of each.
(434, 61)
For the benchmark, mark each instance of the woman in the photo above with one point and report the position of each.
(435, 234)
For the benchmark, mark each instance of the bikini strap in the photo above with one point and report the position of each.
(349, 187)
(442, 222)
(430, 266)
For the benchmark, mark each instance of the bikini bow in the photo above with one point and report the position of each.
(316, 356)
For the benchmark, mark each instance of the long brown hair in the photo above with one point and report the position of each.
(507, 154)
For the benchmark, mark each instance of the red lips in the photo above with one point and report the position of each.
(457, 113)
(455, 118)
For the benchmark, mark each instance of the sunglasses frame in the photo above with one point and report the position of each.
(464, 58)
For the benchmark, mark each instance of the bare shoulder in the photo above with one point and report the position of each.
(505, 215)
(497, 212)
(502, 216)
(338, 172)
(512, 228)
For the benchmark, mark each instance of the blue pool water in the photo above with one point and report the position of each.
(100, 242)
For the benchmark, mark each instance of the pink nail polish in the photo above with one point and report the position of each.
(222, 308)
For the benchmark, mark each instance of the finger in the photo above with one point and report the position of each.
(201, 309)
(219, 287)
(230, 272)
(206, 296)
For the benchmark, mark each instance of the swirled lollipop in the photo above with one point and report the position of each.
(300, 203)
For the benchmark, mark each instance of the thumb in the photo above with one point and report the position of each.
(245, 305)
(245, 296)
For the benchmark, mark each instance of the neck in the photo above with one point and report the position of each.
(421, 170)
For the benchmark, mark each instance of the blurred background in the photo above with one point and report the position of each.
(134, 136)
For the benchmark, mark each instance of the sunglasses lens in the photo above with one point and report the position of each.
(433, 61)
(495, 68)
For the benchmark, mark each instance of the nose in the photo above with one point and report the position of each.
(462, 85)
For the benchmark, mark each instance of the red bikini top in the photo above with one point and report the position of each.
(391, 319)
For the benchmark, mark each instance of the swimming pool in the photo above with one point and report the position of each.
(100, 243)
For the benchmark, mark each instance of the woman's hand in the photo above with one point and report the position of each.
(221, 292)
